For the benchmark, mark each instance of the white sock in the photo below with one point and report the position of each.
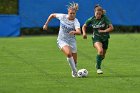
(72, 64)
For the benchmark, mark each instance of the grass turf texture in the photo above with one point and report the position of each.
(36, 65)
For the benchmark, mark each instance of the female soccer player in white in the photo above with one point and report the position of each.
(69, 27)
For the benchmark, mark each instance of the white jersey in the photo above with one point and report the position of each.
(65, 27)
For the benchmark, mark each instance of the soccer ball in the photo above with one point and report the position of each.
(82, 73)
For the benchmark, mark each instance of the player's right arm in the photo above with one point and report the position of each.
(45, 27)
(84, 27)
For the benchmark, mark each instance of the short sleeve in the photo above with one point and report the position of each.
(88, 21)
(59, 16)
(76, 24)
(107, 21)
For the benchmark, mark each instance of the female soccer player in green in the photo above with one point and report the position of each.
(101, 28)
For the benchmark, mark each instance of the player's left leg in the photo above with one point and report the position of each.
(105, 47)
(75, 58)
(74, 51)
(104, 53)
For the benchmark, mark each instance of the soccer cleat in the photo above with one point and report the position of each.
(99, 71)
(74, 74)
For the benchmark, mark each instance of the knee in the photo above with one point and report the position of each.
(69, 55)
(100, 52)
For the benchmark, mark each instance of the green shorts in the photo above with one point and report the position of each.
(103, 41)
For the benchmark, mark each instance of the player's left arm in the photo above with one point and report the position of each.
(110, 26)
(76, 32)
(109, 29)
(77, 29)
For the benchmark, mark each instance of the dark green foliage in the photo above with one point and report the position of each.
(11, 7)
(8, 6)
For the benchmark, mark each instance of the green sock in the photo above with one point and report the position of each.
(99, 59)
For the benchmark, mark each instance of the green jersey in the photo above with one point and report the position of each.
(99, 24)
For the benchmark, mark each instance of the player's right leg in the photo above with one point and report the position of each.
(99, 57)
(66, 49)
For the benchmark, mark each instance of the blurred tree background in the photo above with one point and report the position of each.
(8, 6)
(11, 7)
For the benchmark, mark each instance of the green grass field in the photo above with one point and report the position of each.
(36, 65)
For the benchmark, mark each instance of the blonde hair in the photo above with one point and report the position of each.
(99, 8)
(73, 6)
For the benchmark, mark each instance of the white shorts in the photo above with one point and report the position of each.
(72, 45)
